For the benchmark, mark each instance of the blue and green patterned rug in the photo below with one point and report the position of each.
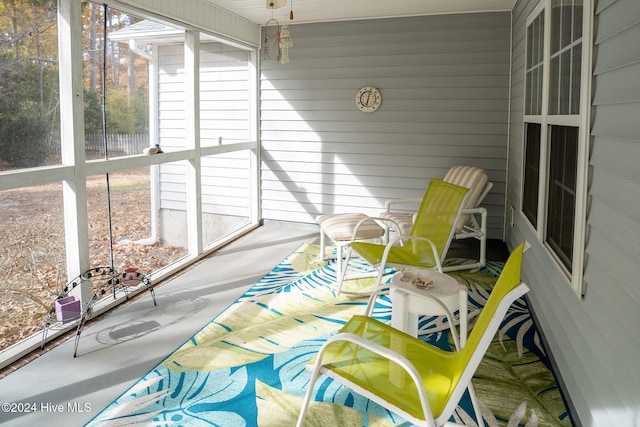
(247, 366)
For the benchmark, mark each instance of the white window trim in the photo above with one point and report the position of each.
(74, 169)
(582, 121)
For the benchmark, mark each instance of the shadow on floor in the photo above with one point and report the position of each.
(470, 248)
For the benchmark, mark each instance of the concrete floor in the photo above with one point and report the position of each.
(56, 389)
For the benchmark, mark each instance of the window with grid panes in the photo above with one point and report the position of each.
(555, 134)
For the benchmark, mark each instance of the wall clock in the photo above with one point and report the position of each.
(368, 99)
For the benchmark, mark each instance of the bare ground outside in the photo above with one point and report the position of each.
(32, 244)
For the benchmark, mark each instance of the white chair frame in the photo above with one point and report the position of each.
(473, 228)
(465, 381)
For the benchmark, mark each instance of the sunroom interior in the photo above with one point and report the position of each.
(254, 142)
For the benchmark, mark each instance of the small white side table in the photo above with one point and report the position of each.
(408, 302)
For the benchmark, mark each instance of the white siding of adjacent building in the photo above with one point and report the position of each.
(224, 113)
(203, 15)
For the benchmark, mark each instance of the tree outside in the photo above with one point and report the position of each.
(29, 80)
(32, 264)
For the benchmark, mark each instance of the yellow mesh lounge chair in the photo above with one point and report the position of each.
(472, 222)
(414, 379)
(427, 243)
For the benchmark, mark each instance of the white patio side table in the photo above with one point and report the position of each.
(408, 302)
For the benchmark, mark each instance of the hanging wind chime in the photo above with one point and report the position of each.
(285, 40)
(277, 38)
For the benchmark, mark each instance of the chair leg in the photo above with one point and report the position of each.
(343, 276)
(474, 403)
(305, 403)
(377, 287)
(483, 250)
(339, 250)
(315, 373)
(322, 243)
(344, 266)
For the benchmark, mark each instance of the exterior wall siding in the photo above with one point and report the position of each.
(224, 112)
(204, 15)
(594, 340)
(444, 83)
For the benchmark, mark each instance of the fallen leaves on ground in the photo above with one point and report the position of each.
(32, 244)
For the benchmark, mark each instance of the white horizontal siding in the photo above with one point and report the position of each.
(594, 340)
(224, 113)
(613, 85)
(204, 15)
(444, 84)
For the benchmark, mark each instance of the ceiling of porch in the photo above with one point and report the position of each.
(339, 10)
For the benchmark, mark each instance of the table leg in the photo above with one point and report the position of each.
(463, 298)
(412, 324)
(401, 318)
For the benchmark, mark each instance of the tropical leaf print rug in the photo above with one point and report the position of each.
(247, 366)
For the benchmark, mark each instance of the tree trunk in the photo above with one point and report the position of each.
(132, 67)
(93, 63)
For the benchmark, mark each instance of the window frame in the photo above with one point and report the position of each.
(547, 121)
(74, 168)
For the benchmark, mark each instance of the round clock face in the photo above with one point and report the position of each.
(368, 99)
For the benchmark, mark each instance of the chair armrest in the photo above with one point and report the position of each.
(472, 228)
(478, 210)
(391, 202)
(374, 218)
(398, 358)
